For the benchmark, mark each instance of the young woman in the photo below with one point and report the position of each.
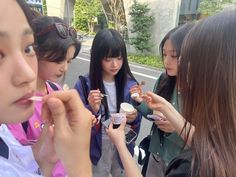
(56, 45)
(109, 81)
(207, 79)
(18, 73)
(165, 143)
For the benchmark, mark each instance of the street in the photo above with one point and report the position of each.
(80, 66)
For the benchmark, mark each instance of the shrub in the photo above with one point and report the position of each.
(149, 60)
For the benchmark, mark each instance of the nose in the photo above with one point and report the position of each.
(114, 62)
(64, 67)
(24, 68)
(167, 60)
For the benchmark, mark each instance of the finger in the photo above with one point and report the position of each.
(110, 127)
(122, 125)
(58, 113)
(162, 123)
(70, 99)
(46, 114)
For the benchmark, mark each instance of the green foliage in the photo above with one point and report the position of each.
(45, 12)
(149, 60)
(141, 26)
(85, 13)
(211, 7)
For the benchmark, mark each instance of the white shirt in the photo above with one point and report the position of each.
(21, 162)
(110, 89)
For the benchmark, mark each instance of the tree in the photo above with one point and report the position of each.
(141, 26)
(45, 12)
(85, 14)
(211, 7)
(115, 13)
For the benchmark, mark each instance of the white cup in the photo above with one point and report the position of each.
(126, 108)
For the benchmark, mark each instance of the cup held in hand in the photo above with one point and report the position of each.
(126, 108)
(117, 119)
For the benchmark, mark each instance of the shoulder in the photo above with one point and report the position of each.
(131, 82)
(180, 166)
(52, 86)
(9, 168)
(84, 79)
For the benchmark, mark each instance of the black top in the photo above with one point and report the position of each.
(180, 166)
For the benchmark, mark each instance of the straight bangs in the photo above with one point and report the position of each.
(113, 48)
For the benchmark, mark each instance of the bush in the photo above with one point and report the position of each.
(149, 60)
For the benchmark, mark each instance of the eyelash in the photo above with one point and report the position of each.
(164, 55)
(32, 52)
(1, 55)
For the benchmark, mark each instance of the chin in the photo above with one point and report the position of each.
(23, 116)
(171, 73)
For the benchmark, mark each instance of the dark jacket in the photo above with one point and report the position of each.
(96, 135)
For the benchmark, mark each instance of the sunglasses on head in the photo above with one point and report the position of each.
(62, 30)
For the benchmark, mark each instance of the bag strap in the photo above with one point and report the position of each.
(52, 85)
(84, 87)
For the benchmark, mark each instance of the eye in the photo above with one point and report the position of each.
(29, 50)
(174, 57)
(69, 61)
(1, 55)
(108, 59)
(120, 58)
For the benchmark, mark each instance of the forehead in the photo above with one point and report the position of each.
(12, 18)
(168, 46)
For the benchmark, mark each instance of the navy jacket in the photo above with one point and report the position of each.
(96, 136)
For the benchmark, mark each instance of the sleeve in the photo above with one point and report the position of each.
(79, 88)
(142, 107)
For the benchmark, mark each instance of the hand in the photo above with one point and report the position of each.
(165, 125)
(94, 99)
(117, 136)
(137, 89)
(72, 129)
(44, 151)
(131, 116)
(156, 102)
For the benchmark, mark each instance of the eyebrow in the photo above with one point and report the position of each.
(26, 32)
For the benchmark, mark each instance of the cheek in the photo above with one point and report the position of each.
(121, 63)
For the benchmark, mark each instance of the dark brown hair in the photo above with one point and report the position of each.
(207, 77)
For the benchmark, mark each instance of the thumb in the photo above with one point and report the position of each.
(58, 113)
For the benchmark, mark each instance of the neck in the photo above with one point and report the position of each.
(41, 86)
(108, 78)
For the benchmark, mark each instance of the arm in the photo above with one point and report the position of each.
(158, 103)
(91, 98)
(71, 130)
(117, 136)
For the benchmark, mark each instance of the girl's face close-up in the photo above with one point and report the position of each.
(111, 66)
(18, 64)
(170, 58)
(54, 71)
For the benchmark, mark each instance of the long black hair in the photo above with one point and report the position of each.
(109, 43)
(167, 83)
(176, 36)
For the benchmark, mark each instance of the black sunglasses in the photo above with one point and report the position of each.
(63, 30)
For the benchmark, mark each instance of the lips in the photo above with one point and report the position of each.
(25, 99)
(114, 70)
